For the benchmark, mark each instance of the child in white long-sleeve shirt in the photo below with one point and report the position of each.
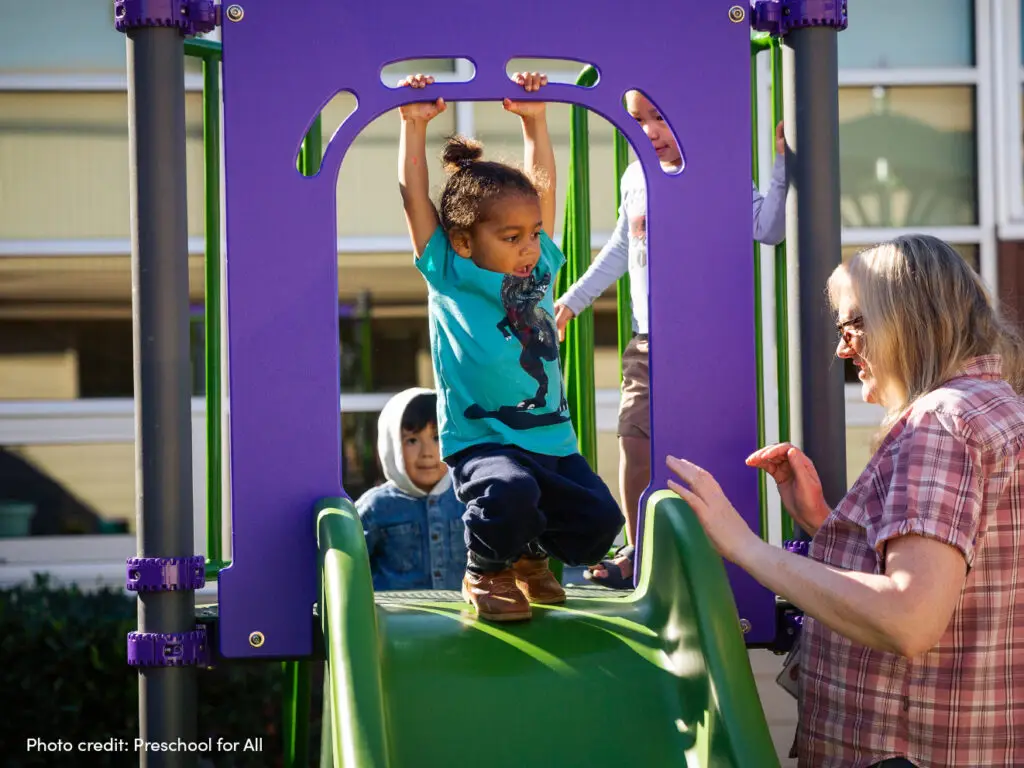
(627, 250)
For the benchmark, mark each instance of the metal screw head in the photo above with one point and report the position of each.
(745, 626)
(234, 12)
(736, 14)
(256, 639)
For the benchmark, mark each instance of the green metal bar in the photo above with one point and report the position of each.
(295, 711)
(577, 351)
(311, 154)
(759, 41)
(762, 485)
(355, 690)
(212, 308)
(781, 289)
(623, 305)
(207, 50)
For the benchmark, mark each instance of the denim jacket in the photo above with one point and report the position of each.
(414, 543)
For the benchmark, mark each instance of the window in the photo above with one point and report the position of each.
(968, 251)
(81, 358)
(1008, 106)
(908, 156)
(1019, 87)
(885, 34)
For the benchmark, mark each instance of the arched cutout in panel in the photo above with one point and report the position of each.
(558, 70)
(334, 113)
(442, 70)
(658, 129)
(383, 331)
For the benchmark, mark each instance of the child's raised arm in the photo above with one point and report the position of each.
(539, 155)
(413, 177)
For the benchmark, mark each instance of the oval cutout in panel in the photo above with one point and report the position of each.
(442, 70)
(565, 71)
(335, 112)
(658, 130)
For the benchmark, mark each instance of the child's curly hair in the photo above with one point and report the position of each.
(474, 184)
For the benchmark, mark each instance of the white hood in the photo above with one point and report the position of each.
(389, 445)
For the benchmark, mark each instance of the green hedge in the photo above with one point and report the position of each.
(64, 675)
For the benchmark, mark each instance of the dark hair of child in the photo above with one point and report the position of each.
(420, 412)
(474, 184)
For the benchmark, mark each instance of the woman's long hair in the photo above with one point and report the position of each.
(926, 313)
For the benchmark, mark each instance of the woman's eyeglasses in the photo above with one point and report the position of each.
(851, 329)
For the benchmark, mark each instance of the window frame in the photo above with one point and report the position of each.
(980, 78)
(1008, 75)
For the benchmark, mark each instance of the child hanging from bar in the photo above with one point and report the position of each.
(490, 267)
(627, 250)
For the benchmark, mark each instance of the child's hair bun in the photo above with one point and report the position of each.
(460, 152)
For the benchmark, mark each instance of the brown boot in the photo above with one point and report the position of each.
(535, 579)
(495, 596)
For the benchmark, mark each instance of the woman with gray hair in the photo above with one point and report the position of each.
(912, 651)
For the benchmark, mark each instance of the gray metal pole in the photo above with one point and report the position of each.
(156, 97)
(810, 80)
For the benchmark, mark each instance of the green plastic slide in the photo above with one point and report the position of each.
(658, 677)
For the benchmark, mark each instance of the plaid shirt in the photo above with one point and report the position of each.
(949, 469)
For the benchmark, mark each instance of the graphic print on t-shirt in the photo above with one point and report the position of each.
(534, 328)
(638, 240)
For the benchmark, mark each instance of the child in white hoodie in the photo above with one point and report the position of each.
(413, 523)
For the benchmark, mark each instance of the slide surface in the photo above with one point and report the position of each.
(658, 677)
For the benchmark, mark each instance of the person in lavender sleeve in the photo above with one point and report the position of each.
(627, 251)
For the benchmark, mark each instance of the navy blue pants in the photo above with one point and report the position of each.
(516, 500)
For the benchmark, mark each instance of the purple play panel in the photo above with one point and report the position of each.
(282, 63)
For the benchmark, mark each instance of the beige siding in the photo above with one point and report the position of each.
(859, 448)
(102, 476)
(64, 165)
(43, 376)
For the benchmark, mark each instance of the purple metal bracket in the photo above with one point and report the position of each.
(165, 574)
(797, 547)
(182, 649)
(780, 16)
(192, 17)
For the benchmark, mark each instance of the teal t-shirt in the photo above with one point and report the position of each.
(494, 345)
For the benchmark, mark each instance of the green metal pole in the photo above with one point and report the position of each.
(209, 52)
(297, 693)
(212, 309)
(762, 484)
(781, 289)
(311, 154)
(578, 349)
